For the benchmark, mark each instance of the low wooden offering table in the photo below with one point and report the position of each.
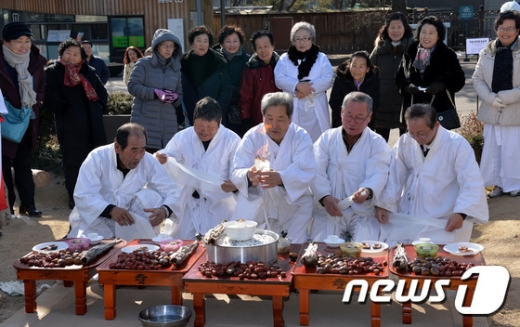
(75, 274)
(170, 276)
(477, 260)
(275, 287)
(306, 279)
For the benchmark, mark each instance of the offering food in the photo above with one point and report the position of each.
(247, 270)
(376, 246)
(59, 259)
(309, 257)
(465, 249)
(91, 255)
(400, 260)
(50, 247)
(214, 234)
(346, 265)
(185, 251)
(366, 246)
(438, 267)
(352, 249)
(425, 250)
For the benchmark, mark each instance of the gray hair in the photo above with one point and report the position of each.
(358, 97)
(303, 26)
(422, 110)
(278, 99)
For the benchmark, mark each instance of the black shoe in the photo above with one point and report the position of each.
(72, 204)
(30, 211)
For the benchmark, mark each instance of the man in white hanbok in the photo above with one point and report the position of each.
(109, 193)
(306, 73)
(435, 180)
(278, 195)
(210, 147)
(351, 160)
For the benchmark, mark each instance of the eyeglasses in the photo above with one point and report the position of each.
(302, 40)
(508, 30)
(358, 120)
(167, 47)
(421, 135)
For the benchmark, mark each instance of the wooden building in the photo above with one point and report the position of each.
(111, 25)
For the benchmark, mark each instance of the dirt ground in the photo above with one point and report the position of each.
(499, 237)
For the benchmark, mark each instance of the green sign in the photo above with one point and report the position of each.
(126, 41)
(466, 12)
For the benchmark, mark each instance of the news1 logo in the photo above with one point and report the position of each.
(489, 295)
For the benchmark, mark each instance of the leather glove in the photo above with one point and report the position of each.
(166, 96)
(435, 88)
(411, 88)
(497, 102)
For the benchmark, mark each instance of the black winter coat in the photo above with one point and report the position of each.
(344, 84)
(79, 121)
(444, 67)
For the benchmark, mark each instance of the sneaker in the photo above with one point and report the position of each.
(514, 193)
(497, 191)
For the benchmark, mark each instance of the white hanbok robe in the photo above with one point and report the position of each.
(100, 183)
(444, 182)
(311, 113)
(213, 205)
(281, 207)
(340, 174)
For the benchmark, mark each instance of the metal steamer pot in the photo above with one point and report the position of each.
(261, 253)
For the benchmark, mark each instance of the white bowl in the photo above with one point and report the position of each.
(333, 244)
(240, 230)
(95, 240)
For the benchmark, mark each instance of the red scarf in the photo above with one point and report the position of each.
(73, 78)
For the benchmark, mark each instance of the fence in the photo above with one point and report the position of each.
(350, 31)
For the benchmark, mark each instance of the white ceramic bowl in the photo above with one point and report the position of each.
(240, 230)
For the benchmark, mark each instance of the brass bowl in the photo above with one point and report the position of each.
(352, 249)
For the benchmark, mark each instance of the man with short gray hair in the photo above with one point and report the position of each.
(273, 168)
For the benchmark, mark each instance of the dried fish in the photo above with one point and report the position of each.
(400, 260)
(214, 234)
(310, 257)
(94, 252)
(182, 253)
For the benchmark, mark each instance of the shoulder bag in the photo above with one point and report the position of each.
(449, 119)
(15, 122)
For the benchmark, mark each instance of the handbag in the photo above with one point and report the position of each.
(449, 119)
(233, 115)
(15, 122)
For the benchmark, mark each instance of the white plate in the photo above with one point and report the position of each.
(94, 241)
(166, 240)
(384, 246)
(334, 244)
(132, 248)
(453, 248)
(60, 246)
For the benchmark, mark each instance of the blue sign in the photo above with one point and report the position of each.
(466, 12)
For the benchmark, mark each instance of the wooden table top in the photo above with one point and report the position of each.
(185, 266)
(193, 275)
(379, 257)
(477, 260)
(99, 260)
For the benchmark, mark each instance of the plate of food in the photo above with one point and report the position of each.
(140, 248)
(49, 247)
(463, 248)
(373, 246)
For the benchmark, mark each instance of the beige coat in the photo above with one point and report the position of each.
(482, 78)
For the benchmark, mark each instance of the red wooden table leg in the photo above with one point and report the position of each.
(407, 312)
(278, 311)
(80, 291)
(176, 295)
(199, 306)
(467, 320)
(67, 283)
(304, 307)
(30, 295)
(376, 314)
(110, 301)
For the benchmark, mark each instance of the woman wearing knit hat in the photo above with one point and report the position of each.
(22, 80)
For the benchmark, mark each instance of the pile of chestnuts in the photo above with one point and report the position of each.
(247, 270)
(438, 267)
(52, 260)
(346, 265)
(142, 260)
